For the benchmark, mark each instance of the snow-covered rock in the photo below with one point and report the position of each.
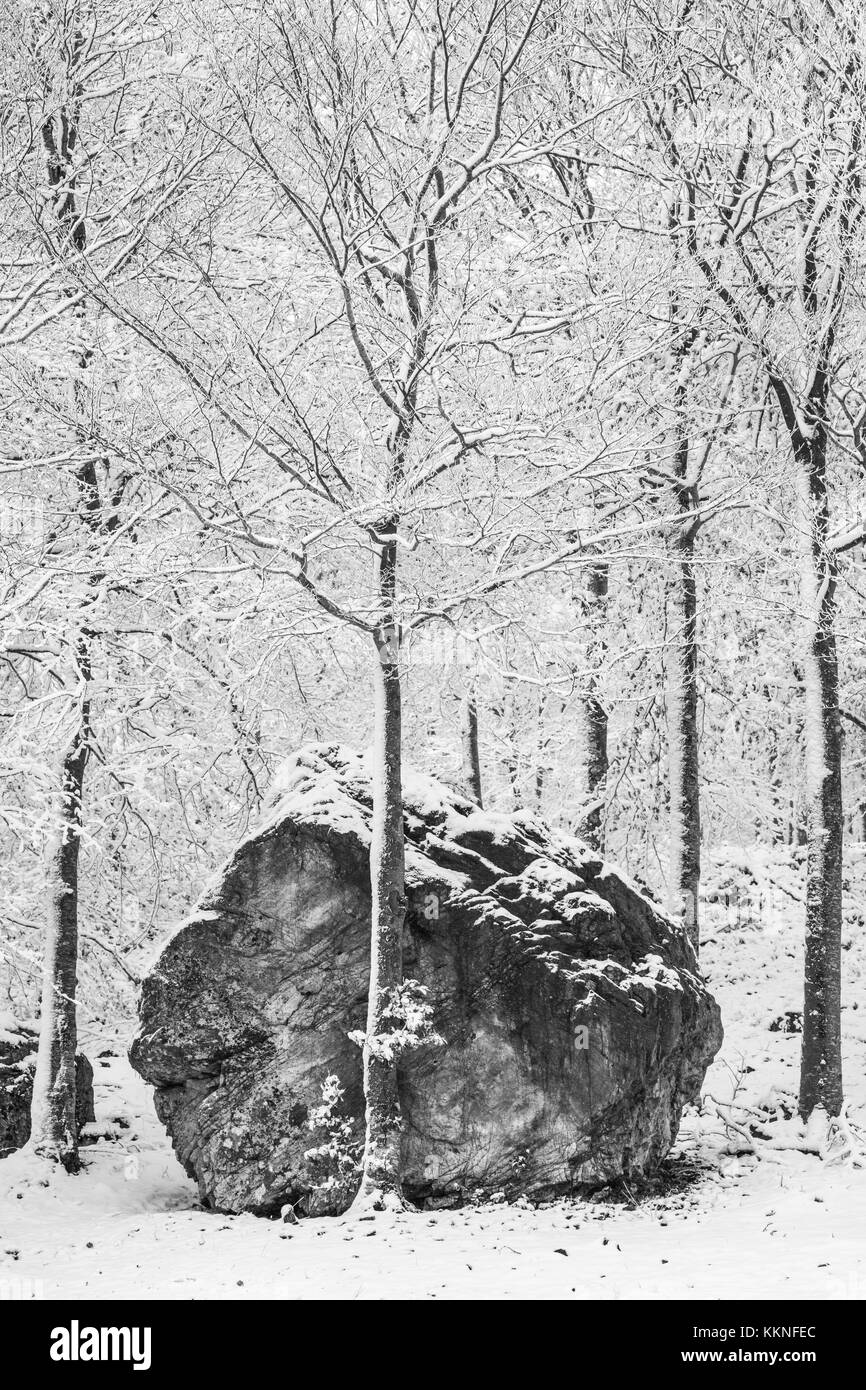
(575, 1021)
(18, 1043)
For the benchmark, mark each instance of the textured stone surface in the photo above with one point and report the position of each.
(575, 1021)
(18, 1042)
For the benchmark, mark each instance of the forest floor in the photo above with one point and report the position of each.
(738, 1211)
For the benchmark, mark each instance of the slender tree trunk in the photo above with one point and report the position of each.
(380, 1183)
(53, 1126)
(470, 759)
(821, 1058)
(593, 765)
(503, 713)
(682, 651)
(682, 720)
(539, 787)
(53, 1130)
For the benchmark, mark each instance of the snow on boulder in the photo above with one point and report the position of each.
(575, 1023)
(18, 1043)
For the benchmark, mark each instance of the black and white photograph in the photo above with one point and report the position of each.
(433, 668)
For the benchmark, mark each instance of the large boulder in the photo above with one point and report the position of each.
(18, 1042)
(575, 1023)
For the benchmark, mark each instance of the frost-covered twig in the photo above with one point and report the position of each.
(409, 1017)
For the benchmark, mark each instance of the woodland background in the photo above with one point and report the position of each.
(524, 339)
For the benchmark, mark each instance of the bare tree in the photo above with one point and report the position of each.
(367, 137)
(54, 1128)
(73, 68)
(777, 266)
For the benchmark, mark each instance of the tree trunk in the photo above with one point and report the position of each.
(682, 721)
(53, 1128)
(380, 1182)
(593, 767)
(681, 657)
(502, 712)
(821, 1057)
(470, 759)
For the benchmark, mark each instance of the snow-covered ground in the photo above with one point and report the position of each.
(739, 1211)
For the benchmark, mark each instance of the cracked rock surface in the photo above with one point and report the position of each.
(575, 1020)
